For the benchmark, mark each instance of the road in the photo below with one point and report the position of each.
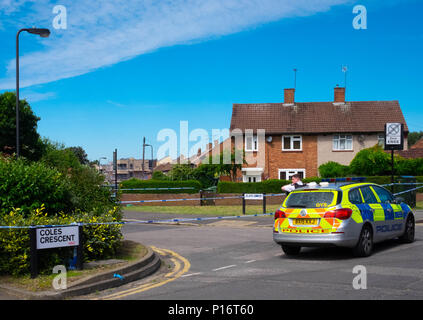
(237, 259)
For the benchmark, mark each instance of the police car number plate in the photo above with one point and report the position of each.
(305, 221)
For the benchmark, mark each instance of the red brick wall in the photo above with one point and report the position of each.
(221, 202)
(277, 159)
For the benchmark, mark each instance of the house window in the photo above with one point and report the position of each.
(286, 174)
(251, 143)
(342, 142)
(381, 140)
(252, 178)
(292, 143)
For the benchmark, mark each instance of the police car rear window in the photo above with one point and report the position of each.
(310, 199)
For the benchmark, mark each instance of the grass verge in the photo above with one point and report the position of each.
(205, 210)
(129, 251)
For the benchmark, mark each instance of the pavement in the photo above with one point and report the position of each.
(128, 272)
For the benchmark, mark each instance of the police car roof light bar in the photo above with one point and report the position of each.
(358, 179)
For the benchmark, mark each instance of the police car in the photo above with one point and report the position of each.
(346, 213)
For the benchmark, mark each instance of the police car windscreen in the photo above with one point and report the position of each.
(310, 199)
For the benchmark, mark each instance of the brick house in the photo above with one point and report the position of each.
(281, 139)
(414, 152)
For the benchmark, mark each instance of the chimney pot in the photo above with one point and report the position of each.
(289, 96)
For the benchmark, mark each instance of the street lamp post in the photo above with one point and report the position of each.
(99, 160)
(143, 151)
(44, 33)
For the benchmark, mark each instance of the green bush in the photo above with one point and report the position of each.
(409, 166)
(137, 184)
(158, 175)
(28, 185)
(371, 162)
(333, 169)
(100, 241)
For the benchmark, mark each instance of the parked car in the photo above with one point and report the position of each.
(346, 214)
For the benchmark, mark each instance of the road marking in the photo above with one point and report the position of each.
(232, 265)
(231, 223)
(191, 274)
(171, 276)
(250, 261)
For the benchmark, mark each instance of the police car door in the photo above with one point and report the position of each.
(393, 212)
(374, 211)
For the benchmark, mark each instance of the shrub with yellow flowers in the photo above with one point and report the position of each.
(101, 240)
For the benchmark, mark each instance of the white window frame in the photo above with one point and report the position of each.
(291, 145)
(252, 173)
(339, 142)
(254, 143)
(292, 171)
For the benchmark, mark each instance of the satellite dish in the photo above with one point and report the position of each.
(269, 139)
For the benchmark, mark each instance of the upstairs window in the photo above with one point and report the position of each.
(251, 143)
(292, 143)
(342, 142)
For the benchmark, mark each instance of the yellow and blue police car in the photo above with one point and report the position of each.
(346, 213)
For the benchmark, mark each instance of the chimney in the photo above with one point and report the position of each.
(289, 95)
(199, 152)
(339, 95)
(209, 146)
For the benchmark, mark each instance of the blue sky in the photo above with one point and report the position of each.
(123, 70)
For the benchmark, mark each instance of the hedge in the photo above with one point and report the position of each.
(136, 184)
(100, 241)
(274, 186)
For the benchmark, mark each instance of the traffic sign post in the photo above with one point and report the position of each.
(394, 140)
(253, 196)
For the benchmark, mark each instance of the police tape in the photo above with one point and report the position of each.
(150, 189)
(138, 221)
(401, 184)
(193, 199)
(395, 194)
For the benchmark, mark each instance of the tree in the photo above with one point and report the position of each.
(181, 172)
(80, 153)
(413, 137)
(230, 168)
(31, 145)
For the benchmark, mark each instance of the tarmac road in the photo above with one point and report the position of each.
(237, 259)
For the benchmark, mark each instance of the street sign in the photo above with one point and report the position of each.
(57, 237)
(253, 196)
(394, 136)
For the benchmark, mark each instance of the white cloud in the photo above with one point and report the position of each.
(102, 33)
(32, 96)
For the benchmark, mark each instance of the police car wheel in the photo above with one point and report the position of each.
(291, 250)
(408, 235)
(365, 243)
